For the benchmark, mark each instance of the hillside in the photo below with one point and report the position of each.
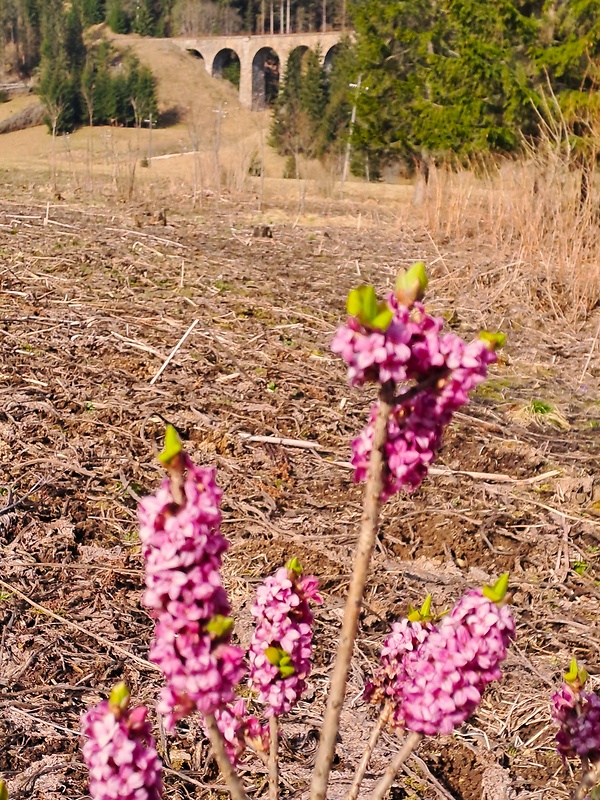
(186, 94)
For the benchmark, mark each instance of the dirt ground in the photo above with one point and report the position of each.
(92, 301)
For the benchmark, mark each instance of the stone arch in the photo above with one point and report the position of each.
(195, 53)
(265, 78)
(298, 52)
(330, 56)
(226, 64)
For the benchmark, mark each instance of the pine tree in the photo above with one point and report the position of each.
(116, 18)
(341, 91)
(143, 22)
(442, 76)
(285, 129)
(568, 56)
(92, 11)
(141, 86)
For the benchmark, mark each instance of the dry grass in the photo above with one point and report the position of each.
(531, 208)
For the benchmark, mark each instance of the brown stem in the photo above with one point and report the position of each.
(382, 719)
(410, 744)
(590, 779)
(364, 551)
(227, 771)
(426, 383)
(273, 758)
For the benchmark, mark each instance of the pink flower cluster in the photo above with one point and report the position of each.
(182, 548)
(416, 426)
(240, 730)
(400, 646)
(281, 646)
(578, 716)
(407, 349)
(120, 753)
(449, 671)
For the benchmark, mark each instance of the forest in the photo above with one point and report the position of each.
(418, 80)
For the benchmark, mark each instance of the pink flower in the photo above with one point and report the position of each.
(578, 716)
(241, 731)
(120, 753)
(446, 678)
(407, 349)
(416, 426)
(281, 647)
(182, 547)
(399, 647)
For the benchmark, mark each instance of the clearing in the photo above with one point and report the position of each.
(92, 300)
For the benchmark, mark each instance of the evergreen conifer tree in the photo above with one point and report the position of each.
(116, 18)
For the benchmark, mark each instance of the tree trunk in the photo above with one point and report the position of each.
(422, 168)
(586, 182)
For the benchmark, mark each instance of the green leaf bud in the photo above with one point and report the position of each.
(411, 284)
(497, 592)
(219, 626)
(493, 340)
(172, 447)
(293, 565)
(119, 698)
(422, 614)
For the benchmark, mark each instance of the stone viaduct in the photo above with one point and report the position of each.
(253, 52)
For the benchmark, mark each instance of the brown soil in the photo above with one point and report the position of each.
(92, 300)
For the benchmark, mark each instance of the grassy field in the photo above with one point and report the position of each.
(96, 290)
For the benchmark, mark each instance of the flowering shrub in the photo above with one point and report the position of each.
(411, 347)
(451, 668)
(399, 647)
(577, 713)
(432, 673)
(241, 731)
(281, 647)
(119, 750)
(182, 547)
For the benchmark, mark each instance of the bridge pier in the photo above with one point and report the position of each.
(252, 60)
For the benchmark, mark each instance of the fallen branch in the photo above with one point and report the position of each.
(173, 352)
(304, 444)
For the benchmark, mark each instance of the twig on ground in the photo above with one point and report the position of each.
(301, 443)
(227, 771)
(364, 551)
(361, 769)
(273, 758)
(589, 355)
(21, 500)
(410, 744)
(173, 352)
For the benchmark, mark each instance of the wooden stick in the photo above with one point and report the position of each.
(173, 352)
(364, 551)
(227, 771)
(590, 779)
(381, 722)
(410, 744)
(305, 444)
(273, 758)
(589, 356)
